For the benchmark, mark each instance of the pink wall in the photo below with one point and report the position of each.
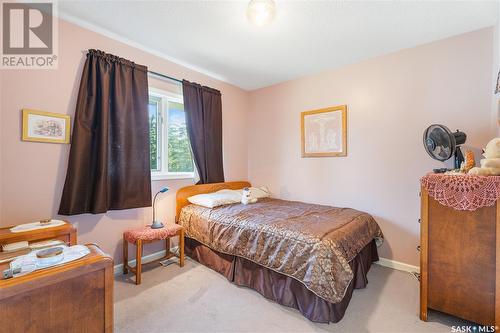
(32, 174)
(391, 100)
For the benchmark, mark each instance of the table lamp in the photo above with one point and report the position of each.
(157, 224)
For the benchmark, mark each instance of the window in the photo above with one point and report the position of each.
(169, 143)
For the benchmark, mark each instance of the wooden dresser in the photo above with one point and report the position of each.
(74, 297)
(460, 261)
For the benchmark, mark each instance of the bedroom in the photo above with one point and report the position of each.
(385, 70)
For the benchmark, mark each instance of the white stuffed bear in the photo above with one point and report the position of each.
(492, 149)
(490, 165)
(245, 197)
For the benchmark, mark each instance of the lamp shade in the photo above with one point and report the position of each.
(157, 224)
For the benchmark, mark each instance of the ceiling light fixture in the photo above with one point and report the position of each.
(261, 12)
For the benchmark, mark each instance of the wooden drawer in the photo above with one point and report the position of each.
(461, 262)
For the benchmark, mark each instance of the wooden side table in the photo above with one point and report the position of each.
(145, 235)
(74, 297)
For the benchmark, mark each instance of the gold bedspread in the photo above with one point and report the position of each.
(311, 243)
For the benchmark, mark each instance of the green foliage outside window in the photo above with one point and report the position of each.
(179, 150)
(178, 146)
(153, 135)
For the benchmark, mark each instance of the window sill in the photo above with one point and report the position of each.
(171, 176)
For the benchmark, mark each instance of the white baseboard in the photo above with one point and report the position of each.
(400, 266)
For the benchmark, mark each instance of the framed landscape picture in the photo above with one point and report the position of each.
(41, 126)
(324, 132)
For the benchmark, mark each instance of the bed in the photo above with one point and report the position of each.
(305, 256)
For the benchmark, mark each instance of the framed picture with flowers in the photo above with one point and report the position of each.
(42, 126)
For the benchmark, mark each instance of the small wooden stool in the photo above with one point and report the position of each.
(147, 235)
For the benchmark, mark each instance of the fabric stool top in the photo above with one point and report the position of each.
(148, 234)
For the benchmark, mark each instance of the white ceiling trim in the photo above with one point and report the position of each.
(100, 30)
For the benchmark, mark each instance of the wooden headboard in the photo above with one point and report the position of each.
(185, 192)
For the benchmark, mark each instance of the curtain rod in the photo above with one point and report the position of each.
(164, 76)
(151, 72)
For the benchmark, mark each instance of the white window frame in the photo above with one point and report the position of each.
(162, 146)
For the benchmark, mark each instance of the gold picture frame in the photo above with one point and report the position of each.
(42, 126)
(324, 132)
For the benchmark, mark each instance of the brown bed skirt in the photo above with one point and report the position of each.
(280, 288)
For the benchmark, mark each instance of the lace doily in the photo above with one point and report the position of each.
(463, 192)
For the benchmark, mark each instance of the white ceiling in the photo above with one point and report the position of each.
(214, 37)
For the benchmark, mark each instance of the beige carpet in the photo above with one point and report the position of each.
(197, 299)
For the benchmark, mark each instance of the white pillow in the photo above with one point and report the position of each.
(257, 192)
(214, 199)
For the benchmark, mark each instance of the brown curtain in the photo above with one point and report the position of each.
(203, 108)
(108, 164)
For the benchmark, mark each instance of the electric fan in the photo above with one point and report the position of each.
(441, 144)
